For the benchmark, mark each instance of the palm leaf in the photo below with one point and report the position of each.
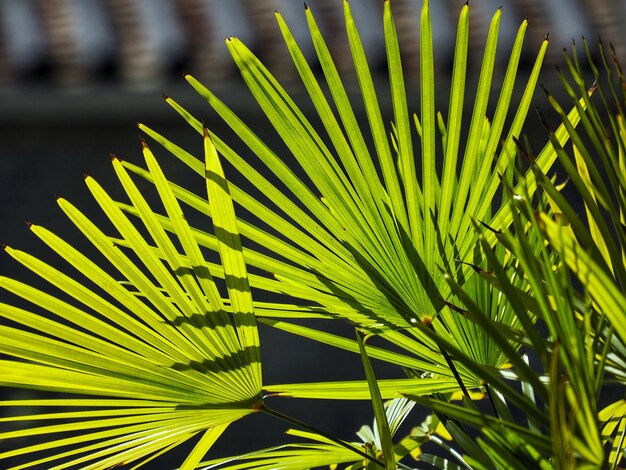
(319, 451)
(359, 390)
(382, 424)
(369, 250)
(166, 354)
(370, 213)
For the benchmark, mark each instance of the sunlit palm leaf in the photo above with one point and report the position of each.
(570, 357)
(166, 353)
(478, 419)
(362, 225)
(288, 457)
(358, 389)
(593, 249)
(613, 422)
(370, 249)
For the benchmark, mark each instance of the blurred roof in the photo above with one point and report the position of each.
(132, 46)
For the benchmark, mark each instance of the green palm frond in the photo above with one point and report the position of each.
(376, 236)
(597, 172)
(147, 339)
(382, 436)
(356, 234)
(381, 232)
(565, 271)
(559, 394)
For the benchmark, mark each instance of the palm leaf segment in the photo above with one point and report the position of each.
(371, 247)
(157, 355)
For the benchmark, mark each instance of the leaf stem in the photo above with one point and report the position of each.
(491, 400)
(452, 367)
(299, 423)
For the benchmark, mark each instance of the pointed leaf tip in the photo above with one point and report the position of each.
(165, 97)
(477, 269)
(490, 228)
(455, 308)
(593, 88)
(306, 7)
(543, 120)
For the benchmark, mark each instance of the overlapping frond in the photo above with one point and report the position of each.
(592, 247)
(571, 266)
(316, 450)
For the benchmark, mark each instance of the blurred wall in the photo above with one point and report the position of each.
(140, 44)
(75, 75)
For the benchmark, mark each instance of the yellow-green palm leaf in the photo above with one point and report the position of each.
(359, 228)
(367, 237)
(146, 337)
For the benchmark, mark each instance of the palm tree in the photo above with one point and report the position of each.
(163, 342)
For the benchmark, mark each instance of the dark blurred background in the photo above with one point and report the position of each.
(75, 76)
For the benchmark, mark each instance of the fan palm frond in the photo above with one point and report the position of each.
(584, 339)
(369, 248)
(379, 233)
(147, 340)
(363, 235)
